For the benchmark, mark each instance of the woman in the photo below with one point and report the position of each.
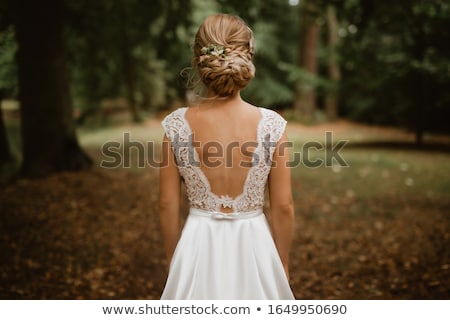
(225, 151)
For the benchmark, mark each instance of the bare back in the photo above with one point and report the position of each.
(224, 153)
(225, 138)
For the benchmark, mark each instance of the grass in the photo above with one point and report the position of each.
(378, 227)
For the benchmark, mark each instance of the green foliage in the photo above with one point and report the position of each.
(275, 26)
(118, 46)
(396, 67)
(394, 56)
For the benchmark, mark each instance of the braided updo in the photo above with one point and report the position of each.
(229, 68)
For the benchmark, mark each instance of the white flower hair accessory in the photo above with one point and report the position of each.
(214, 50)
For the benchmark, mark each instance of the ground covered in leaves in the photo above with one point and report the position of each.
(377, 229)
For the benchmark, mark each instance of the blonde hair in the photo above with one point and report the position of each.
(230, 71)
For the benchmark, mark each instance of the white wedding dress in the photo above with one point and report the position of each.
(225, 255)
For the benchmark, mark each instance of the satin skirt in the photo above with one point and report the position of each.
(226, 256)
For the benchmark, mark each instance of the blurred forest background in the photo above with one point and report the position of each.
(75, 74)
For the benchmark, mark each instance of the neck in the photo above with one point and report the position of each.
(212, 97)
(212, 100)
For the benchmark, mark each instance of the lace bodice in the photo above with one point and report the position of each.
(269, 130)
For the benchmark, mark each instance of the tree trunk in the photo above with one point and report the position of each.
(128, 65)
(130, 84)
(48, 129)
(420, 105)
(423, 99)
(5, 152)
(305, 102)
(334, 72)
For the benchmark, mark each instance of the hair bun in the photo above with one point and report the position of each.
(223, 54)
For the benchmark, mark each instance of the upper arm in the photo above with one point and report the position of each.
(170, 180)
(280, 191)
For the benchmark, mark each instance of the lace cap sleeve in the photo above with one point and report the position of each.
(274, 125)
(173, 124)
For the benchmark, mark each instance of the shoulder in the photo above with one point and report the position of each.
(273, 123)
(178, 113)
(272, 117)
(174, 121)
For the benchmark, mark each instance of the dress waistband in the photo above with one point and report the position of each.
(225, 216)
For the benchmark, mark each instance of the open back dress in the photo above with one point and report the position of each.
(225, 255)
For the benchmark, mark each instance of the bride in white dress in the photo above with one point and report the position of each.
(226, 152)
